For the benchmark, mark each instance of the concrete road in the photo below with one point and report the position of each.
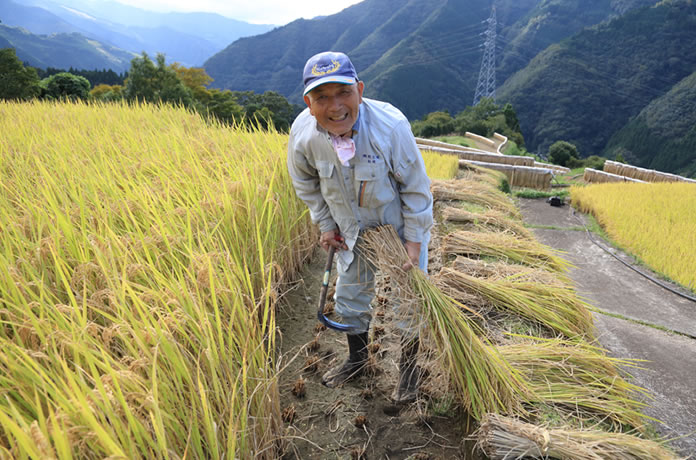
(643, 320)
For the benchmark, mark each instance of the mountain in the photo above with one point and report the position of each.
(394, 44)
(551, 21)
(421, 55)
(63, 50)
(587, 87)
(663, 135)
(188, 38)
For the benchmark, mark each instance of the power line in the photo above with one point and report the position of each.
(486, 80)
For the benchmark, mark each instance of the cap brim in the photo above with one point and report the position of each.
(329, 79)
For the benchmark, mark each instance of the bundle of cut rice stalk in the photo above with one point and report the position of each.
(490, 176)
(556, 307)
(482, 380)
(505, 438)
(504, 247)
(578, 379)
(504, 271)
(490, 218)
(473, 192)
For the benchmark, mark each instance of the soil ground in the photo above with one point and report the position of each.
(641, 320)
(326, 422)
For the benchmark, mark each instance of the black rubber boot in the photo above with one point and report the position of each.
(353, 367)
(406, 389)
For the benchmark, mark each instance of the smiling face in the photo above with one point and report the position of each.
(335, 106)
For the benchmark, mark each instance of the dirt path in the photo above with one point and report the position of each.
(641, 320)
(328, 423)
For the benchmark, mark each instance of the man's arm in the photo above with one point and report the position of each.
(305, 180)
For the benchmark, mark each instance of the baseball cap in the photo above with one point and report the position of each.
(328, 67)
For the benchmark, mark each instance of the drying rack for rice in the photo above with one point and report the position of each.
(555, 168)
(642, 174)
(427, 144)
(594, 176)
(520, 176)
(503, 142)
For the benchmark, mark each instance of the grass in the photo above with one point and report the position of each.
(653, 221)
(536, 194)
(457, 140)
(141, 249)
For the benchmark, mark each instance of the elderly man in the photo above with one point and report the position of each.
(355, 164)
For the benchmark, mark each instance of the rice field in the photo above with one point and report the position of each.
(654, 221)
(141, 253)
(440, 165)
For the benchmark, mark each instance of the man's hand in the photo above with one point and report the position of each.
(413, 251)
(332, 238)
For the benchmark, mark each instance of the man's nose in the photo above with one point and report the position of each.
(334, 103)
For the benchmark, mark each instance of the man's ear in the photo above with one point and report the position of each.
(361, 88)
(308, 101)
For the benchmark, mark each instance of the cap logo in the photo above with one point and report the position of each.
(326, 69)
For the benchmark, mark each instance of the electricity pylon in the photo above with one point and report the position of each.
(486, 80)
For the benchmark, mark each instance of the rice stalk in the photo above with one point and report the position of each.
(473, 192)
(504, 271)
(578, 379)
(137, 297)
(504, 247)
(555, 307)
(506, 438)
(491, 218)
(483, 381)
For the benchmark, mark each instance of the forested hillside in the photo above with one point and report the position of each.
(663, 135)
(64, 50)
(187, 38)
(586, 88)
(549, 22)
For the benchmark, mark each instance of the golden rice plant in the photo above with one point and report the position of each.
(497, 179)
(505, 247)
(656, 222)
(497, 270)
(490, 218)
(482, 380)
(555, 307)
(474, 192)
(578, 379)
(141, 247)
(440, 165)
(507, 438)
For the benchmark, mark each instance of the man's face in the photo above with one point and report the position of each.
(335, 106)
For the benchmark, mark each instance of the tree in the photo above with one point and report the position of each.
(259, 109)
(434, 124)
(16, 81)
(155, 83)
(65, 85)
(107, 92)
(562, 152)
(223, 105)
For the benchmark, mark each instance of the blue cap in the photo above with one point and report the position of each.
(328, 67)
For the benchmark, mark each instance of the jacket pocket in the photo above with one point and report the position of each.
(372, 185)
(328, 182)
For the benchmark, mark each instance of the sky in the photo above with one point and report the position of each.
(277, 12)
